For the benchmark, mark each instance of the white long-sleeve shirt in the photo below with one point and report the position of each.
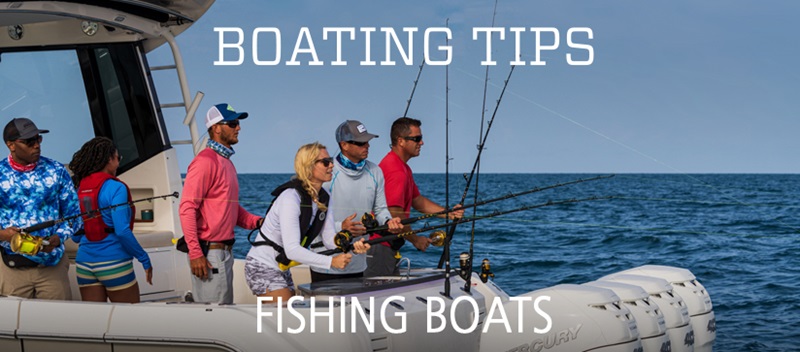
(282, 226)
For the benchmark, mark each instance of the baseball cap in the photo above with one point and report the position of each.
(352, 130)
(222, 112)
(21, 128)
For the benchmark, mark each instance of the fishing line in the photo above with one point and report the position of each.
(706, 202)
(648, 229)
(625, 146)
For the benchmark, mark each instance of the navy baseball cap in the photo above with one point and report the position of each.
(222, 112)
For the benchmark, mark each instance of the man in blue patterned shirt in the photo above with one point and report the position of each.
(34, 189)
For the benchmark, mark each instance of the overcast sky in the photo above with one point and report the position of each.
(673, 86)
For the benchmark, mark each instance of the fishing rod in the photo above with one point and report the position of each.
(446, 251)
(414, 88)
(452, 229)
(407, 221)
(477, 170)
(447, 125)
(90, 213)
(475, 166)
(343, 238)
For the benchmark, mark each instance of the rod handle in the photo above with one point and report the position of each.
(39, 226)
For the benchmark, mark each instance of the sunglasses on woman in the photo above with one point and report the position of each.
(325, 161)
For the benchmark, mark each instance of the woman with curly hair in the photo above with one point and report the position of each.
(106, 250)
(295, 218)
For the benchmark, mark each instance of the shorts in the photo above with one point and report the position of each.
(261, 277)
(115, 275)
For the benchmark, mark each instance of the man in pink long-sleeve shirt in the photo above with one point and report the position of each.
(210, 208)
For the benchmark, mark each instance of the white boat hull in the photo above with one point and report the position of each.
(581, 318)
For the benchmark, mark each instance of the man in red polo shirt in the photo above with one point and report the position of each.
(402, 193)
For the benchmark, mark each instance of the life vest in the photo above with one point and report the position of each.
(308, 230)
(88, 194)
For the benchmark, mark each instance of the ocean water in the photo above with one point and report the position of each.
(738, 234)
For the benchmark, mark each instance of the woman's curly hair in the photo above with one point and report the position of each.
(93, 156)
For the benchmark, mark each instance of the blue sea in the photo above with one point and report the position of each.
(738, 233)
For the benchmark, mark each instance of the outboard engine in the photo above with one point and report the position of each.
(649, 319)
(676, 315)
(696, 297)
(581, 318)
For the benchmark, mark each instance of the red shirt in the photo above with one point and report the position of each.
(399, 185)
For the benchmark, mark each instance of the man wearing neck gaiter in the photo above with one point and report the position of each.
(356, 188)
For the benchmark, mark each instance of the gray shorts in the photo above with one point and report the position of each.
(262, 278)
(217, 288)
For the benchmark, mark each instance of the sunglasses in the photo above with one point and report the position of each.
(415, 139)
(358, 144)
(231, 124)
(30, 142)
(325, 161)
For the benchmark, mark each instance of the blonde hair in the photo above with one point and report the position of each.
(304, 162)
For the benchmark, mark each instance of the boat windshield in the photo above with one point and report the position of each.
(81, 92)
(47, 87)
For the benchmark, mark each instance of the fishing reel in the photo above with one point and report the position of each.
(369, 221)
(24, 243)
(465, 263)
(486, 271)
(437, 238)
(342, 240)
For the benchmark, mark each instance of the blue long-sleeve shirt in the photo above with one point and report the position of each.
(118, 245)
(31, 197)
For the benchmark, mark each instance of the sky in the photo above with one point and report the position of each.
(673, 87)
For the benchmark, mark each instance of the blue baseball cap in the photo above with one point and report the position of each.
(222, 112)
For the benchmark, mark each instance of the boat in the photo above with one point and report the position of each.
(80, 68)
